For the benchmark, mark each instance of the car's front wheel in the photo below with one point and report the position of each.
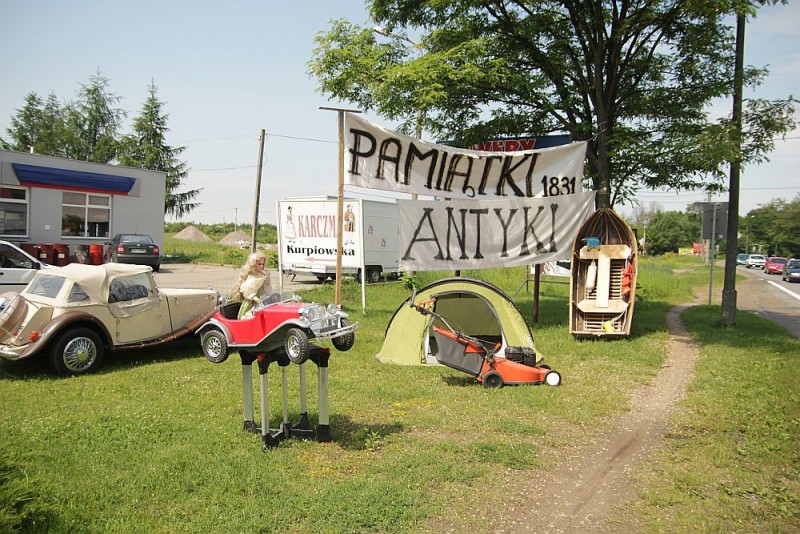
(215, 346)
(296, 345)
(345, 342)
(77, 351)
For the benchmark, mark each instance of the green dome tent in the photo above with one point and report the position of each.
(470, 306)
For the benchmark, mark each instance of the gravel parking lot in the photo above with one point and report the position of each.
(218, 277)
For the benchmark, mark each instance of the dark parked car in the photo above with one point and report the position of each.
(791, 271)
(775, 265)
(139, 249)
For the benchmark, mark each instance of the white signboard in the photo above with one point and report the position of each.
(308, 233)
(469, 234)
(378, 158)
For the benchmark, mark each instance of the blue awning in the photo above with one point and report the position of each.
(35, 176)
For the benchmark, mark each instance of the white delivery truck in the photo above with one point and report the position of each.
(307, 237)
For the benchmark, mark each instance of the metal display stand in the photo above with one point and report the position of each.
(271, 437)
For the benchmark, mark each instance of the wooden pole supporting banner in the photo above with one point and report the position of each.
(340, 203)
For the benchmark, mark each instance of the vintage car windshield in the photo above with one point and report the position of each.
(277, 297)
(45, 285)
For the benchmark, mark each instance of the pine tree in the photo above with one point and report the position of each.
(147, 148)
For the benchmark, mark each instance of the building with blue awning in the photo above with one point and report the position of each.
(45, 199)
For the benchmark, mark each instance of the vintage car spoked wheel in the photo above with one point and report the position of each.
(345, 342)
(77, 351)
(215, 346)
(296, 345)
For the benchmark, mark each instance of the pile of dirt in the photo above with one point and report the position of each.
(190, 233)
(236, 239)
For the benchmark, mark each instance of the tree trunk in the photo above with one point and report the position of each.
(729, 287)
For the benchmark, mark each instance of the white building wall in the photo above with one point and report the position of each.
(140, 211)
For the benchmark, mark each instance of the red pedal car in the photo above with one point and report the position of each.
(280, 321)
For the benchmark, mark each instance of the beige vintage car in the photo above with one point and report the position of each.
(75, 313)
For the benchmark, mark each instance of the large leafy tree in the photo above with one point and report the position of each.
(775, 226)
(670, 230)
(633, 77)
(147, 148)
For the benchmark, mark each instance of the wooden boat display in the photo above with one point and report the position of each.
(603, 277)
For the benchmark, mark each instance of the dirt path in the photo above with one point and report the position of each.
(577, 494)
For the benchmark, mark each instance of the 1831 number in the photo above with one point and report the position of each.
(555, 186)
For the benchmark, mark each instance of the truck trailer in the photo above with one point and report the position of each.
(307, 237)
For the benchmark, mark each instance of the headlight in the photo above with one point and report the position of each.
(312, 313)
(333, 309)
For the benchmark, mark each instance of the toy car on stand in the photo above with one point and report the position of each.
(281, 320)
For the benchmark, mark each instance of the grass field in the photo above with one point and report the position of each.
(153, 443)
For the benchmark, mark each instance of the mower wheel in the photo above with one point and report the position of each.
(492, 380)
(552, 378)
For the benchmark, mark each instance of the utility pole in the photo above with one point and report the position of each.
(258, 191)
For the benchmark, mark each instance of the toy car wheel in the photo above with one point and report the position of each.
(296, 345)
(77, 351)
(552, 378)
(215, 346)
(345, 342)
(492, 380)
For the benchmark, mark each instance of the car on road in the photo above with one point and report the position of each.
(755, 261)
(17, 267)
(741, 259)
(138, 249)
(280, 321)
(76, 313)
(791, 271)
(775, 265)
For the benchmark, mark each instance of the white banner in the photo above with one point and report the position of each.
(469, 234)
(377, 158)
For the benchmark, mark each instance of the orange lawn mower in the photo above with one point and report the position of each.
(479, 358)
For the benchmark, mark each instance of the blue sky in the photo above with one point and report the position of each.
(228, 69)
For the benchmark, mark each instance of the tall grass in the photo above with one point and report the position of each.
(153, 442)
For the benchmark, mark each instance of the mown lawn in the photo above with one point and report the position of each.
(153, 443)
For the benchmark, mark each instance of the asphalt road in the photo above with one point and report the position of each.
(770, 297)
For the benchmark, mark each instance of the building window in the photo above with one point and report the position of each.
(13, 211)
(85, 214)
